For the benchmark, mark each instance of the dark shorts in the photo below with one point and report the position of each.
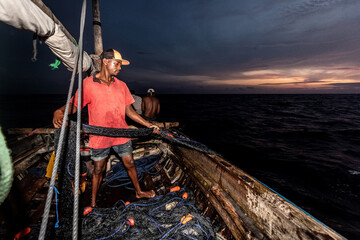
(122, 150)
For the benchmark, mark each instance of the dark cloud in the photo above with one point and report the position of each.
(201, 46)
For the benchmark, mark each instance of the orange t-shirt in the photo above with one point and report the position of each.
(106, 107)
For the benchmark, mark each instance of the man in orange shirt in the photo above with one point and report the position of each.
(109, 101)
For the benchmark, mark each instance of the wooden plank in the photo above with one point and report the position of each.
(161, 125)
(230, 207)
(167, 124)
(30, 131)
(25, 163)
(204, 185)
(29, 154)
(277, 217)
(36, 186)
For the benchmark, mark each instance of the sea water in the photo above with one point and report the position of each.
(305, 147)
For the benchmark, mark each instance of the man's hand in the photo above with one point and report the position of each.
(156, 129)
(58, 118)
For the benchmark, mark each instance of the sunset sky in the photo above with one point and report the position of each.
(204, 46)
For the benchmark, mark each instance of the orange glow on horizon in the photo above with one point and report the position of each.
(290, 78)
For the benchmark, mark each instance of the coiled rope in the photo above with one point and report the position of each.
(62, 133)
(118, 173)
(5, 168)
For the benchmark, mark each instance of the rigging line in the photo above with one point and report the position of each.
(57, 157)
(78, 126)
(35, 52)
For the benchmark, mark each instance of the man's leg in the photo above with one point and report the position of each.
(131, 169)
(99, 167)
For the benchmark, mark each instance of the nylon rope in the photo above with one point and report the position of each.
(34, 59)
(78, 126)
(58, 150)
(5, 168)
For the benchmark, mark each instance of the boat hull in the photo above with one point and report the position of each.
(239, 204)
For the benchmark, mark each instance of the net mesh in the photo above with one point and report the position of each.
(156, 218)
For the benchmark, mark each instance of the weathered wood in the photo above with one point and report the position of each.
(21, 147)
(30, 131)
(29, 154)
(231, 208)
(145, 153)
(235, 200)
(24, 165)
(161, 124)
(98, 43)
(32, 194)
(204, 184)
(166, 124)
(274, 216)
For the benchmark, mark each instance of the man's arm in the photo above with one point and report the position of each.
(130, 112)
(59, 115)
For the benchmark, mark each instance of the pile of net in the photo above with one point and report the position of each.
(171, 216)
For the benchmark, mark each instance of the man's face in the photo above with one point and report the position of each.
(112, 66)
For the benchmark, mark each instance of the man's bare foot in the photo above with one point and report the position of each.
(146, 194)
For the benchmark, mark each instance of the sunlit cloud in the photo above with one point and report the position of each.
(293, 78)
(211, 47)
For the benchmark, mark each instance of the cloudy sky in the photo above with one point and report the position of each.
(205, 46)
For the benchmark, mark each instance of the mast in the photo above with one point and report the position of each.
(98, 43)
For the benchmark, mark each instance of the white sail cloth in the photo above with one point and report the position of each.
(26, 15)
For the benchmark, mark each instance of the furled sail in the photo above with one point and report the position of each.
(35, 16)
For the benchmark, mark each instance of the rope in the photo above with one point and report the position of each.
(78, 126)
(6, 169)
(57, 213)
(59, 148)
(34, 48)
(118, 172)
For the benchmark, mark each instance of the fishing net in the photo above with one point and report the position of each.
(116, 132)
(171, 216)
(172, 136)
(157, 218)
(178, 139)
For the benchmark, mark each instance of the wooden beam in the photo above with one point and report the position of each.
(30, 131)
(98, 43)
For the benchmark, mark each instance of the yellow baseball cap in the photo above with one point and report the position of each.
(113, 54)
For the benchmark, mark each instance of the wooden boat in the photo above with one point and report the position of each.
(243, 207)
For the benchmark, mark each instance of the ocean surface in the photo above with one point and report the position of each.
(305, 147)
